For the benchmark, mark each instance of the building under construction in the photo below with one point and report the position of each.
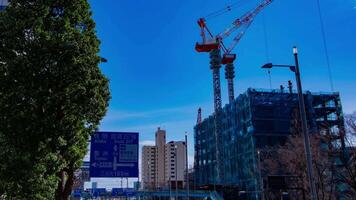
(256, 119)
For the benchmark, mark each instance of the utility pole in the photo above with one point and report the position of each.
(304, 126)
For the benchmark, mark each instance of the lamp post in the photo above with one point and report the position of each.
(308, 155)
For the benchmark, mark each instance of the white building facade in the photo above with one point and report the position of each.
(175, 164)
(149, 167)
(163, 165)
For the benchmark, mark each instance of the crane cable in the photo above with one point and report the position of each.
(325, 45)
(266, 48)
(225, 10)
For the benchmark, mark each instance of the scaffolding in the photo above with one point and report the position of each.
(256, 119)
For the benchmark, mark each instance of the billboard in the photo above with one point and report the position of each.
(114, 154)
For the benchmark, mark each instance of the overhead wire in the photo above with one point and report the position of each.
(326, 51)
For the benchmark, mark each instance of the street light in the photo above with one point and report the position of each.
(296, 71)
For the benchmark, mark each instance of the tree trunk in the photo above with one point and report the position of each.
(64, 187)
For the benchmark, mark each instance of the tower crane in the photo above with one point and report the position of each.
(211, 42)
(213, 45)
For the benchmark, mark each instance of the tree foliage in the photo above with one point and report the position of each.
(52, 95)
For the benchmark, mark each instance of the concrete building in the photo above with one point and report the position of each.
(149, 166)
(175, 164)
(3, 4)
(160, 157)
(163, 163)
(257, 119)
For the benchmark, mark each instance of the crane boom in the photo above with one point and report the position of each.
(237, 38)
(210, 42)
(247, 18)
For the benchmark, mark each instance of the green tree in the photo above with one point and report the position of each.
(52, 95)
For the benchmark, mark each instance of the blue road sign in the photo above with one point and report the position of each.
(114, 154)
(99, 192)
(123, 192)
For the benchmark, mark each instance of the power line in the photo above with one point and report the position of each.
(326, 51)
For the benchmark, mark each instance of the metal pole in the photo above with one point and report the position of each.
(176, 166)
(215, 175)
(186, 164)
(304, 127)
(260, 173)
(170, 186)
(127, 186)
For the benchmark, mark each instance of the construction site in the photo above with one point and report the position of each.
(229, 143)
(257, 119)
(280, 143)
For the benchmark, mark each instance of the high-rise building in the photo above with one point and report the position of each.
(160, 156)
(175, 164)
(257, 119)
(3, 4)
(149, 166)
(163, 163)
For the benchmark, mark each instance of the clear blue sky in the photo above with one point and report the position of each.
(157, 79)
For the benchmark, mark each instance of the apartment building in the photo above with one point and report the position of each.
(175, 164)
(149, 166)
(164, 164)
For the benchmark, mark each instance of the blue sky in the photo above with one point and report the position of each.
(157, 78)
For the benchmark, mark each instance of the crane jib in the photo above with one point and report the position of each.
(209, 40)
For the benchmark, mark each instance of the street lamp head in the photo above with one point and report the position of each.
(292, 68)
(295, 50)
(267, 66)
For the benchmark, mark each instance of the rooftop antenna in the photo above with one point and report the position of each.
(282, 88)
(290, 86)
